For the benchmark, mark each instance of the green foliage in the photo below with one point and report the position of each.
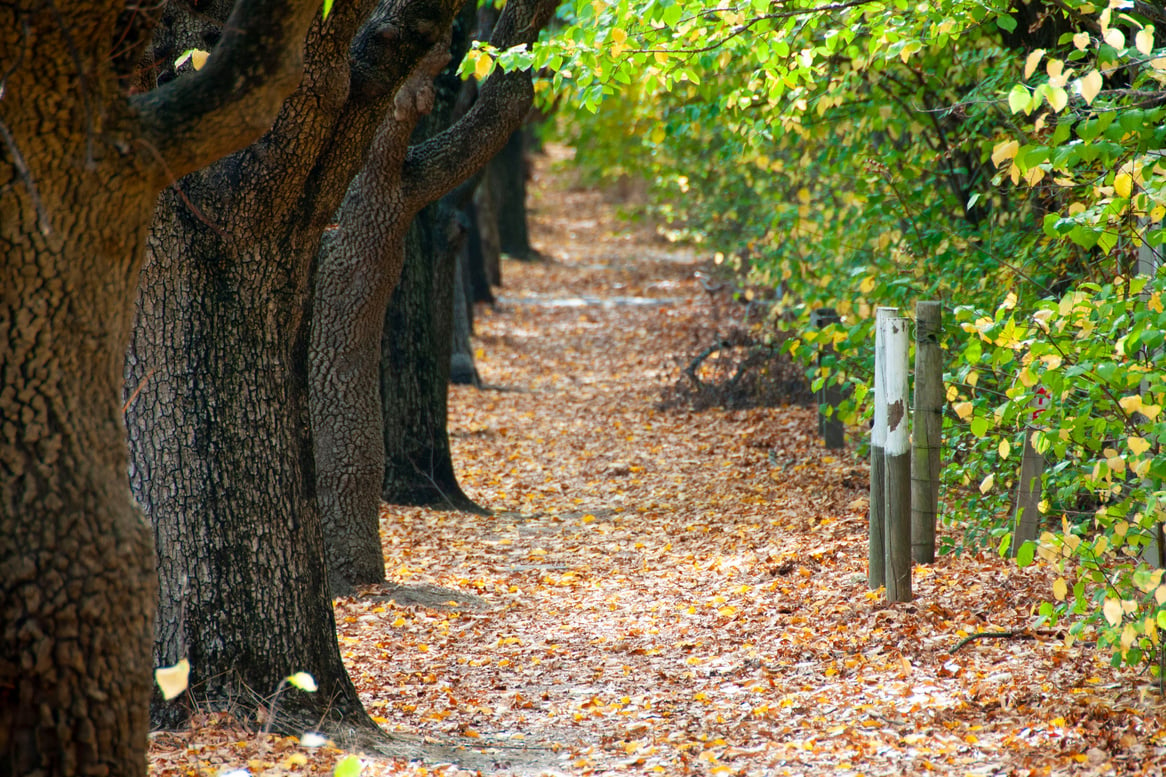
(1096, 350)
(852, 155)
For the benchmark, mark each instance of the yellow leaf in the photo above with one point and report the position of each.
(483, 65)
(952, 393)
(987, 483)
(1138, 445)
(1123, 185)
(1131, 404)
(1058, 98)
(1089, 86)
(1081, 40)
(1151, 411)
(1128, 635)
(1004, 449)
(1032, 61)
(618, 35)
(1115, 38)
(1144, 40)
(1112, 611)
(1004, 151)
(963, 410)
(173, 679)
(1060, 589)
(198, 58)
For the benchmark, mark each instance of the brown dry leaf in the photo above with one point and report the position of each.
(678, 592)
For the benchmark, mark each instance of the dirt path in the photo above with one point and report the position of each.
(672, 592)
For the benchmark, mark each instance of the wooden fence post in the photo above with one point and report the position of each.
(1028, 494)
(876, 526)
(830, 427)
(927, 433)
(1026, 518)
(897, 450)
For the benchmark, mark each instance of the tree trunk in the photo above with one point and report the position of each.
(77, 581)
(461, 363)
(222, 452)
(418, 467)
(485, 232)
(82, 163)
(508, 174)
(359, 266)
(477, 275)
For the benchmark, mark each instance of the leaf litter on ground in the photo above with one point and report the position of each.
(679, 592)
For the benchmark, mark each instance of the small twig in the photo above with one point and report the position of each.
(1010, 634)
(138, 390)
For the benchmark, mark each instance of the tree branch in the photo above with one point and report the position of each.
(234, 99)
(444, 161)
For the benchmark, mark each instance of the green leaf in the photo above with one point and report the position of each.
(980, 426)
(1006, 23)
(327, 8)
(1019, 99)
(349, 766)
(1025, 554)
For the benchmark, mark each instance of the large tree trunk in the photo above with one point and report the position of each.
(359, 267)
(77, 578)
(82, 163)
(220, 431)
(416, 348)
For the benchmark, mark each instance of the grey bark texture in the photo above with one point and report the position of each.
(222, 457)
(359, 266)
(81, 163)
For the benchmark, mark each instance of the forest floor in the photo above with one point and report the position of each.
(663, 590)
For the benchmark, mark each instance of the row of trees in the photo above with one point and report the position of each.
(1005, 158)
(937, 138)
(313, 120)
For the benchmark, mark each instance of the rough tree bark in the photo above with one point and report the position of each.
(222, 456)
(81, 163)
(359, 265)
(416, 352)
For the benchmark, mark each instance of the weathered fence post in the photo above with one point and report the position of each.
(830, 427)
(926, 439)
(876, 550)
(897, 450)
(1026, 519)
